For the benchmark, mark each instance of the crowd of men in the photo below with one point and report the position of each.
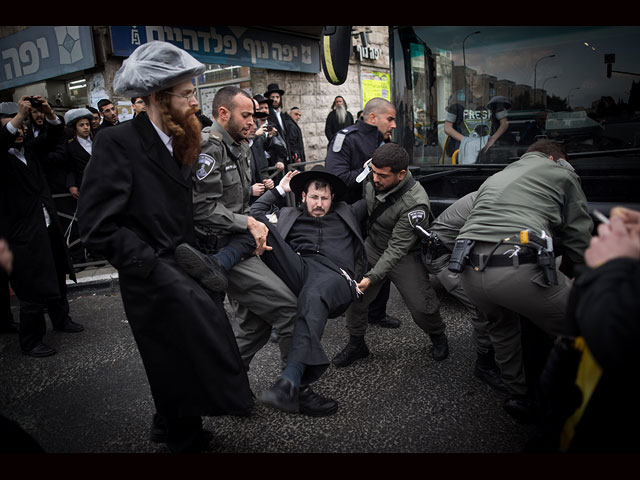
(187, 210)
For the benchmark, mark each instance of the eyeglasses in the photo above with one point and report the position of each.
(187, 97)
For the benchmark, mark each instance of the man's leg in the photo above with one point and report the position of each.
(412, 281)
(378, 309)
(261, 300)
(324, 291)
(356, 320)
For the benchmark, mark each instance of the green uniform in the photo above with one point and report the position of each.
(393, 250)
(538, 194)
(221, 191)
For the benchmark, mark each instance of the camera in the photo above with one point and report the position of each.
(35, 103)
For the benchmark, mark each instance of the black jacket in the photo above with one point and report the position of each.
(71, 153)
(295, 141)
(37, 250)
(348, 151)
(332, 126)
(136, 207)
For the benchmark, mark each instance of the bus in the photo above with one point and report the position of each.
(577, 85)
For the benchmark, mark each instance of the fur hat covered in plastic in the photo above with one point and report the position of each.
(72, 116)
(155, 66)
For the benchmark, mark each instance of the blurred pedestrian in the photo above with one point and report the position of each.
(30, 222)
(339, 117)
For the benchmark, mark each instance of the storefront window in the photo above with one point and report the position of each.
(214, 78)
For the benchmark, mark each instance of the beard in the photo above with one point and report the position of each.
(341, 114)
(187, 137)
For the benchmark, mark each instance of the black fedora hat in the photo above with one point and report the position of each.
(299, 181)
(273, 87)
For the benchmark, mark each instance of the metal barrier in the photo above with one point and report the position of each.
(67, 235)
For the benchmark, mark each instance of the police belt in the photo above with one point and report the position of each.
(499, 260)
(209, 242)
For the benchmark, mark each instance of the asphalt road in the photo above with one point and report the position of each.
(93, 395)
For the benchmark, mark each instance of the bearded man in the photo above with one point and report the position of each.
(339, 117)
(135, 209)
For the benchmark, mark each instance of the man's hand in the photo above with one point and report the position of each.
(257, 189)
(6, 257)
(280, 166)
(630, 218)
(286, 180)
(614, 240)
(268, 183)
(259, 231)
(75, 193)
(364, 284)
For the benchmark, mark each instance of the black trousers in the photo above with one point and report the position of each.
(6, 317)
(32, 322)
(322, 291)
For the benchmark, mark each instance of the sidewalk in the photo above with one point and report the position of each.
(95, 277)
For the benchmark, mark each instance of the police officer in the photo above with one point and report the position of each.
(221, 193)
(395, 202)
(353, 146)
(539, 193)
(347, 153)
(437, 243)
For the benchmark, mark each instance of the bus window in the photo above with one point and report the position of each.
(497, 89)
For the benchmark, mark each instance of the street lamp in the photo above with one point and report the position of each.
(545, 82)
(535, 74)
(569, 96)
(464, 64)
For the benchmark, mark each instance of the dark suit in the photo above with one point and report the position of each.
(314, 276)
(41, 259)
(136, 207)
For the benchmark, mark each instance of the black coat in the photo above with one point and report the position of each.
(37, 250)
(332, 125)
(41, 146)
(136, 207)
(295, 141)
(347, 153)
(71, 153)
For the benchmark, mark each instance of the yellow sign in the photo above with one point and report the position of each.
(375, 84)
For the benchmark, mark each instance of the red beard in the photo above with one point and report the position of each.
(186, 139)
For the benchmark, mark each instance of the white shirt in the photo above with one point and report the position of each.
(166, 139)
(86, 143)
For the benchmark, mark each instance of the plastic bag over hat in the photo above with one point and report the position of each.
(155, 66)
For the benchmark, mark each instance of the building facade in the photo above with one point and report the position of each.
(74, 66)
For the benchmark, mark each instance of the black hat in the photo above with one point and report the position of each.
(260, 99)
(299, 181)
(271, 88)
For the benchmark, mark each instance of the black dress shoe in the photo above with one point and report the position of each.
(315, 405)
(490, 375)
(69, 326)
(159, 433)
(386, 322)
(283, 395)
(204, 268)
(440, 349)
(521, 408)
(354, 350)
(40, 350)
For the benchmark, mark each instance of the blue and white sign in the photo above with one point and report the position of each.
(249, 47)
(37, 53)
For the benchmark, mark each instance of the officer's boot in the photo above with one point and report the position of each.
(487, 370)
(440, 349)
(355, 349)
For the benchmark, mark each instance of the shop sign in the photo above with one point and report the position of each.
(42, 52)
(250, 47)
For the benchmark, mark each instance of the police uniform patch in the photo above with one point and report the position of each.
(205, 165)
(416, 216)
